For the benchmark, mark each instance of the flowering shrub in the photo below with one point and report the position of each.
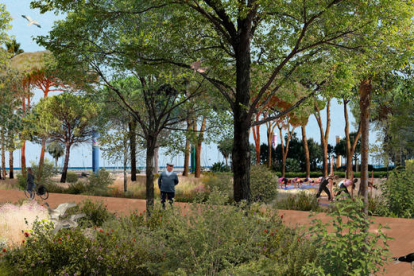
(14, 219)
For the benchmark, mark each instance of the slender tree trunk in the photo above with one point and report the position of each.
(187, 149)
(306, 148)
(66, 164)
(151, 145)
(42, 159)
(256, 138)
(3, 153)
(269, 146)
(242, 118)
(350, 149)
(324, 136)
(133, 144)
(125, 165)
(23, 159)
(200, 140)
(156, 158)
(365, 90)
(283, 152)
(11, 168)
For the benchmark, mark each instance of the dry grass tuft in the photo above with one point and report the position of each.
(13, 220)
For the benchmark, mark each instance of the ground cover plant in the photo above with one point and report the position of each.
(348, 249)
(203, 239)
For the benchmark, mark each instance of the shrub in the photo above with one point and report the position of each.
(262, 184)
(292, 165)
(301, 202)
(99, 183)
(220, 182)
(46, 173)
(220, 167)
(96, 213)
(348, 249)
(398, 192)
(72, 177)
(76, 188)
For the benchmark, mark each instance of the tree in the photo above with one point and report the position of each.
(66, 119)
(14, 48)
(56, 150)
(236, 41)
(225, 147)
(5, 20)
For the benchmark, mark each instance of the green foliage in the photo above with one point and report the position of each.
(292, 165)
(99, 183)
(302, 202)
(96, 213)
(262, 184)
(398, 193)
(209, 240)
(220, 182)
(76, 188)
(379, 174)
(46, 173)
(220, 167)
(71, 177)
(348, 249)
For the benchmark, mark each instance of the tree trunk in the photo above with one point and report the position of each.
(365, 89)
(149, 184)
(23, 159)
(133, 144)
(66, 164)
(3, 153)
(125, 166)
(200, 140)
(306, 148)
(269, 146)
(324, 136)
(350, 149)
(11, 168)
(242, 120)
(187, 149)
(256, 138)
(41, 160)
(156, 158)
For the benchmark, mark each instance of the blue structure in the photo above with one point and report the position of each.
(95, 152)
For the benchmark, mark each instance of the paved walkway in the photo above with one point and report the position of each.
(401, 229)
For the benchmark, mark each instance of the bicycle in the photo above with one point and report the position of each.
(41, 191)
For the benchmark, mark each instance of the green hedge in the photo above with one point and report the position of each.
(340, 174)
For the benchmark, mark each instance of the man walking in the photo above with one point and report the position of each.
(166, 182)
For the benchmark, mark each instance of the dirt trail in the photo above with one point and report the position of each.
(401, 229)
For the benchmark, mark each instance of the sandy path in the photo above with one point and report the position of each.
(401, 229)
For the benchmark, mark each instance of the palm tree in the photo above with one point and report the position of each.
(56, 150)
(14, 48)
(225, 147)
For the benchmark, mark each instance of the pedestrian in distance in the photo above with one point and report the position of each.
(167, 182)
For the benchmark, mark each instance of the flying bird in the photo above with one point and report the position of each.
(196, 66)
(407, 258)
(31, 21)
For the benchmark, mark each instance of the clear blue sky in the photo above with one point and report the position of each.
(81, 156)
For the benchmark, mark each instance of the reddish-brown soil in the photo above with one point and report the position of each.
(401, 230)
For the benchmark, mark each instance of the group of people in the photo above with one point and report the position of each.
(296, 181)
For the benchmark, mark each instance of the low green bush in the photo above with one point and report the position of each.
(301, 202)
(76, 188)
(262, 184)
(98, 184)
(398, 193)
(348, 249)
(339, 173)
(71, 177)
(221, 182)
(96, 213)
(220, 167)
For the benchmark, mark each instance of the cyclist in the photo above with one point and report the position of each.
(30, 182)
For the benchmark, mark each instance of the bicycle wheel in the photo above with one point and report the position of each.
(26, 193)
(45, 195)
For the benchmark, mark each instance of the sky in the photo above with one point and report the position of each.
(81, 156)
